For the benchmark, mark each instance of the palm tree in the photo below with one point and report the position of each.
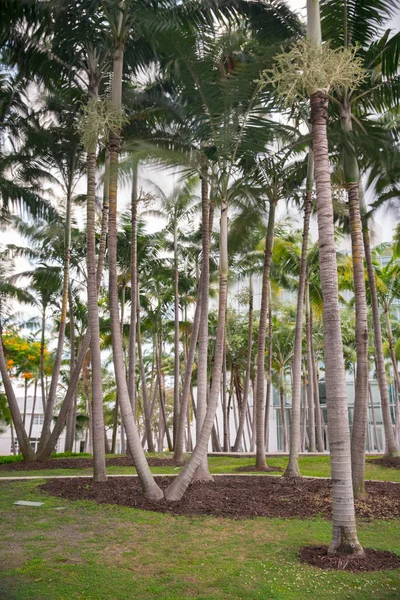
(344, 526)
(344, 29)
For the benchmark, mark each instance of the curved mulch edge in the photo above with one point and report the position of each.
(237, 497)
(373, 560)
(254, 469)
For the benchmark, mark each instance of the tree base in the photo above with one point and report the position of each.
(155, 494)
(370, 560)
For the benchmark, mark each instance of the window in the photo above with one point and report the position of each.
(38, 419)
(34, 443)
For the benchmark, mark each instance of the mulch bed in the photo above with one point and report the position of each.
(253, 469)
(85, 463)
(235, 497)
(393, 462)
(373, 560)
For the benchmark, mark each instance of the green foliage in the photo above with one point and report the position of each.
(7, 460)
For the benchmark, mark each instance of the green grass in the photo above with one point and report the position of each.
(117, 553)
(314, 466)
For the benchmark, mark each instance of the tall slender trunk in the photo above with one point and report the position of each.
(71, 417)
(377, 444)
(343, 514)
(243, 408)
(150, 488)
(283, 410)
(391, 448)
(293, 469)
(226, 429)
(359, 431)
(259, 398)
(41, 360)
(33, 407)
(202, 472)
(99, 460)
(178, 487)
(269, 375)
(51, 398)
(146, 407)
(134, 292)
(70, 396)
(176, 333)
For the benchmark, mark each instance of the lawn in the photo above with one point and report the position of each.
(314, 466)
(104, 552)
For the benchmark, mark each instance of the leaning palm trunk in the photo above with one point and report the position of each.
(243, 408)
(180, 434)
(293, 469)
(390, 442)
(176, 490)
(48, 416)
(359, 432)
(84, 346)
(202, 472)
(23, 441)
(259, 396)
(150, 488)
(343, 514)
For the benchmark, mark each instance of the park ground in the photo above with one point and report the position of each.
(108, 552)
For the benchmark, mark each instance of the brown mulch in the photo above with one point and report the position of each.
(235, 497)
(85, 463)
(393, 462)
(373, 560)
(255, 469)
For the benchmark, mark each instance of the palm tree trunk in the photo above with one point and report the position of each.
(202, 473)
(48, 415)
(178, 487)
(23, 441)
(146, 407)
(283, 412)
(226, 429)
(259, 398)
(390, 442)
(243, 408)
(33, 408)
(41, 363)
(293, 469)
(71, 417)
(150, 488)
(343, 514)
(99, 461)
(377, 444)
(84, 346)
(134, 292)
(176, 335)
(269, 375)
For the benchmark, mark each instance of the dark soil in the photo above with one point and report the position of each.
(373, 560)
(393, 462)
(236, 497)
(85, 463)
(254, 469)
